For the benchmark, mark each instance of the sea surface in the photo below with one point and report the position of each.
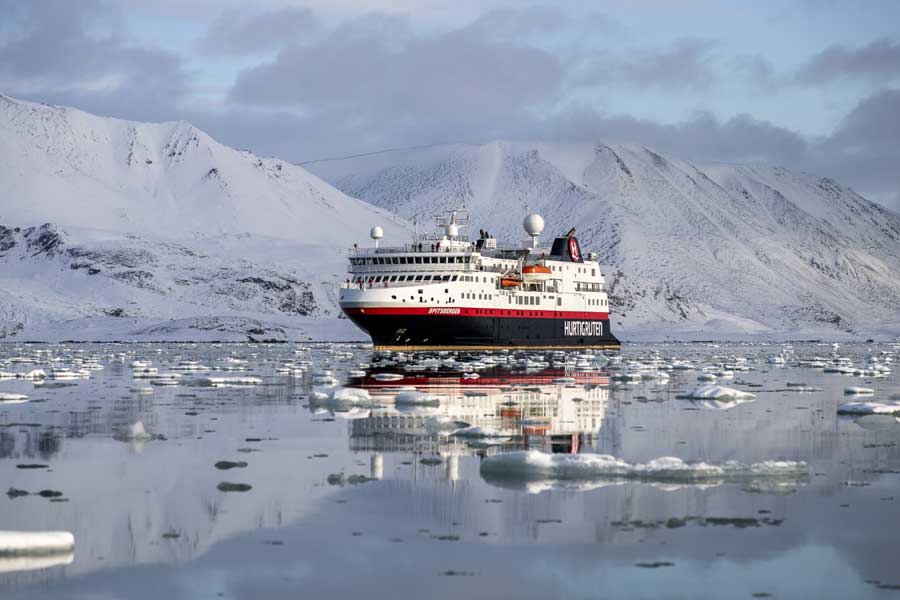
(325, 470)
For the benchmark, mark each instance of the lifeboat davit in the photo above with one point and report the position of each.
(535, 273)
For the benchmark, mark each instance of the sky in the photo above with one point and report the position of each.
(812, 85)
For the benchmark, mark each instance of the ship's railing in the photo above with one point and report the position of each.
(415, 249)
(376, 270)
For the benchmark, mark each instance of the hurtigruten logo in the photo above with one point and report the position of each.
(443, 311)
(583, 328)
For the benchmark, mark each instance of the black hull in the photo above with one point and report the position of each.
(433, 332)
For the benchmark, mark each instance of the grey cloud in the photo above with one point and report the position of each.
(378, 71)
(863, 150)
(516, 23)
(68, 52)
(239, 32)
(687, 65)
(876, 62)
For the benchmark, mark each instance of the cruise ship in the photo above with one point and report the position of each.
(442, 291)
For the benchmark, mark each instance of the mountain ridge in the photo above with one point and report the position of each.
(115, 229)
(690, 248)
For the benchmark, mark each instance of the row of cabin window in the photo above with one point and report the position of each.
(397, 278)
(411, 260)
(579, 270)
(597, 301)
(472, 296)
(586, 286)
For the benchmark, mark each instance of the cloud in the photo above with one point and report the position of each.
(376, 73)
(240, 32)
(689, 64)
(71, 52)
(320, 86)
(863, 149)
(876, 62)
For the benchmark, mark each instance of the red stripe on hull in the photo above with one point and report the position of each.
(446, 311)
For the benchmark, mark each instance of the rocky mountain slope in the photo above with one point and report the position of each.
(113, 229)
(691, 250)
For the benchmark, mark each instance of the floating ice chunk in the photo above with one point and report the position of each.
(878, 422)
(224, 381)
(858, 391)
(145, 373)
(868, 408)
(563, 380)
(351, 413)
(419, 398)
(8, 398)
(534, 465)
(706, 377)
(35, 543)
(717, 392)
(11, 564)
(351, 395)
(387, 377)
(480, 432)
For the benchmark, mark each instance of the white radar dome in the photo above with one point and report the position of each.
(452, 230)
(376, 233)
(533, 224)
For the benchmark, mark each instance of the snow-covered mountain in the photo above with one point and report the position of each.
(118, 229)
(691, 250)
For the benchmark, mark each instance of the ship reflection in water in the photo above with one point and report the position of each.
(544, 409)
(275, 471)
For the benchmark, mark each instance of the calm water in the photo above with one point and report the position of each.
(368, 498)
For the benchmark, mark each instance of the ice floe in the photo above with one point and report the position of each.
(224, 381)
(35, 543)
(858, 391)
(716, 392)
(417, 398)
(868, 408)
(535, 465)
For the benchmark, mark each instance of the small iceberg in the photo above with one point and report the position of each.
(7, 398)
(35, 543)
(224, 381)
(387, 377)
(716, 392)
(477, 432)
(532, 465)
(350, 395)
(868, 408)
(858, 391)
(417, 398)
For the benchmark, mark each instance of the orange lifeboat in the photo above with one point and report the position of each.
(510, 281)
(535, 273)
